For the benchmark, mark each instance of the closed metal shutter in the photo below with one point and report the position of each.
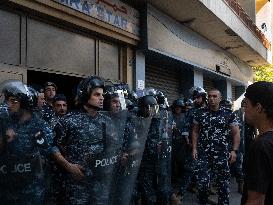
(55, 49)
(208, 84)
(164, 79)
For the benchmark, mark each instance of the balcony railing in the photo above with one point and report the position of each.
(236, 7)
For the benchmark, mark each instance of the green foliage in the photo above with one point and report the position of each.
(263, 73)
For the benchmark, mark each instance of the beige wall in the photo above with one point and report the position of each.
(171, 38)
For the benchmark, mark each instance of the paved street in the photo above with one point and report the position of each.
(190, 199)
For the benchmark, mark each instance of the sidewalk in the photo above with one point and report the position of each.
(235, 197)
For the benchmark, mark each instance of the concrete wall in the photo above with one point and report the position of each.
(170, 38)
(222, 10)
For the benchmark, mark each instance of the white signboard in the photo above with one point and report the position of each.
(113, 12)
(140, 84)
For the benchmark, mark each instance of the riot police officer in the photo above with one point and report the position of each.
(199, 100)
(55, 189)
(147, 184)
(165, 193)
(27, 144)
(60, 109)
(133, 130)
(227, 104)
(89, 146)
(188, 104)
(177, 122)
(211, 128)
(50, 89)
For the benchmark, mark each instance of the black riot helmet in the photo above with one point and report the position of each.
(162, 100)
(178, 103)
(129, 105)
(160, 97)
(118, 90)
(147, 106)
(147, 100)
(107, 100)
(131, 100)
(27, 96)
(85, 88)
(197, 92)
(188, 102)
(226, 103)
(149, 91)
(132, 96)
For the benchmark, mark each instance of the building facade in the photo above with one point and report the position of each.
(66, 40)
(170, 45)
(202, 43)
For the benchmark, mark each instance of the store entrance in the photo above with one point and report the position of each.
(66, 85)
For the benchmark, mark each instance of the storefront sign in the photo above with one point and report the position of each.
(113, 12)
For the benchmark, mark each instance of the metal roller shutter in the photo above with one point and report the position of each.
(165, 80)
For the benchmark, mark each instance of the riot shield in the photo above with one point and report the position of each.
(134, 139)
(92, 143)
(22, 171)
(164, 159)
(98, 144)
(21, 142)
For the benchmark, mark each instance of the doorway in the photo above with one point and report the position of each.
(66, 85)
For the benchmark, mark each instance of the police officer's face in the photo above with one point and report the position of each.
(13, 104)
(177, 109)
(198, 100)
(41, 100)
(214, 97)
(60, 107)
(115, 104)
(50, 92)
(96, 98)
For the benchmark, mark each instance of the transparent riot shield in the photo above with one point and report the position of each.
(21, 143)
(103, 148)
(134, 138)
(22, 175)
(164, 159)
(7, 87)
(114, 161)
(103, 162)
